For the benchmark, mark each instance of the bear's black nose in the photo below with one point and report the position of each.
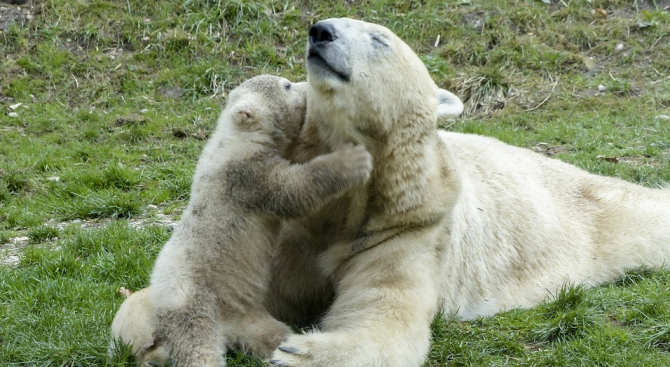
(321, 33)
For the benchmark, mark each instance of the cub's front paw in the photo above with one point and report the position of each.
(356, 162)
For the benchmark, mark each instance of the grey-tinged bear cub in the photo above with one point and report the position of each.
(209, 282)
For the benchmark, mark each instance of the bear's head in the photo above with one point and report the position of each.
(364, 81)
(268, 107)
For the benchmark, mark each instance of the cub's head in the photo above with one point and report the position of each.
(363, 78)
(269, 107)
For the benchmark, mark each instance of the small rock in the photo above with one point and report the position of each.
(144, 110)
(618, 47)
(589, 63)
(662, 117)
(13, 114)
(601, 88)
(125, 292)
(16, 240)
(152, 207)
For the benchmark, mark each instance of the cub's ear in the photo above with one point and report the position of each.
(244, 113)
(448, 103)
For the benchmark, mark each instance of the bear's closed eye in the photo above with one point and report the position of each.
(378, 38)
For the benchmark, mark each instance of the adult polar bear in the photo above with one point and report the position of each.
(447, 221)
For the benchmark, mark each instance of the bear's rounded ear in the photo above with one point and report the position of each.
(244, 114)
(448, 104)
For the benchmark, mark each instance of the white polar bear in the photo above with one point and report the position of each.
(447, 221)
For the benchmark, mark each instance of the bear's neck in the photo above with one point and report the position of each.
(402, 139)
(403, 160)
(404, 157)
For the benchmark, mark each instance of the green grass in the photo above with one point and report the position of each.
(118, 97)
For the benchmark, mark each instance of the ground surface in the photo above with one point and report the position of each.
(105, 105)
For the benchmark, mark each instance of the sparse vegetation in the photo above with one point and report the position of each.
(105, 106)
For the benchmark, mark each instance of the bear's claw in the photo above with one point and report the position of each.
(289, 350)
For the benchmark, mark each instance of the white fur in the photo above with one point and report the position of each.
(524, 225)
(449, 104)
(134, 325)
(448, 221)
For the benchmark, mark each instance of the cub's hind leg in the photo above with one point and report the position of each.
(192, 333)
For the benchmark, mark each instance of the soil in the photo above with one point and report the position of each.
(19, 12)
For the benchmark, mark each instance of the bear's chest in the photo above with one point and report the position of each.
(340, 220)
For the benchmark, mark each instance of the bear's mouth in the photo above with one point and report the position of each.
(319, 64)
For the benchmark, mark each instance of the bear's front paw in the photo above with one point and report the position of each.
(302, 351)
(326, 349)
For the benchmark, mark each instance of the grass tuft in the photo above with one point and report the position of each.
(16, 182)
(565, 326)
(483, 92)
(633, 277)
(568, 316)
(97, 205)
(42, 234)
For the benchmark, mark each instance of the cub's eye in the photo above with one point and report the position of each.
(287, 86)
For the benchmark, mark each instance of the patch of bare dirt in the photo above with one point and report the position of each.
(10, 253)
(632, 160)
(15, 11)
(653, 4)
(549, 150)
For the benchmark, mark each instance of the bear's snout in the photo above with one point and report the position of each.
(328, 51)
(321, 33)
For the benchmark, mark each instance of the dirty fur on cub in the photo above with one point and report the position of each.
(210, 278)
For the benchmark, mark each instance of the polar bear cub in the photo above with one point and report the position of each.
(209, 282)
